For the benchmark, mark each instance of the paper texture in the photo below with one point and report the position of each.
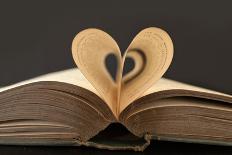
(167, 84)
(71, 76)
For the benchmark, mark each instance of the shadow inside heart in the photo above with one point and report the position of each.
(129, 65)
(111, 64)
(134, 64)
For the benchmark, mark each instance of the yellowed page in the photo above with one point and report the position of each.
(167, 84)
(152, 51)
(90, 49)
(70, 76)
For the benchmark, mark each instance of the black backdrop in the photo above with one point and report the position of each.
(36, 36)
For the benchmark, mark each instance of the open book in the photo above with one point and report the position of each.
(73, 106)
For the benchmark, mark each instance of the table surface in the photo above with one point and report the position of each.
(36, 39)
(156, 147)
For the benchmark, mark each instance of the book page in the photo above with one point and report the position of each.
(152, 51)
(70, 76)
(167, 84)
(170, 85)
(90, 49)
(164, 84)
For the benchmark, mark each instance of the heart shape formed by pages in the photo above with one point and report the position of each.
(151, 52)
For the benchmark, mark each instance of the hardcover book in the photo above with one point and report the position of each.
(71, 107)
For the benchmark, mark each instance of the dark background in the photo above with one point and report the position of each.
(36, 36)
